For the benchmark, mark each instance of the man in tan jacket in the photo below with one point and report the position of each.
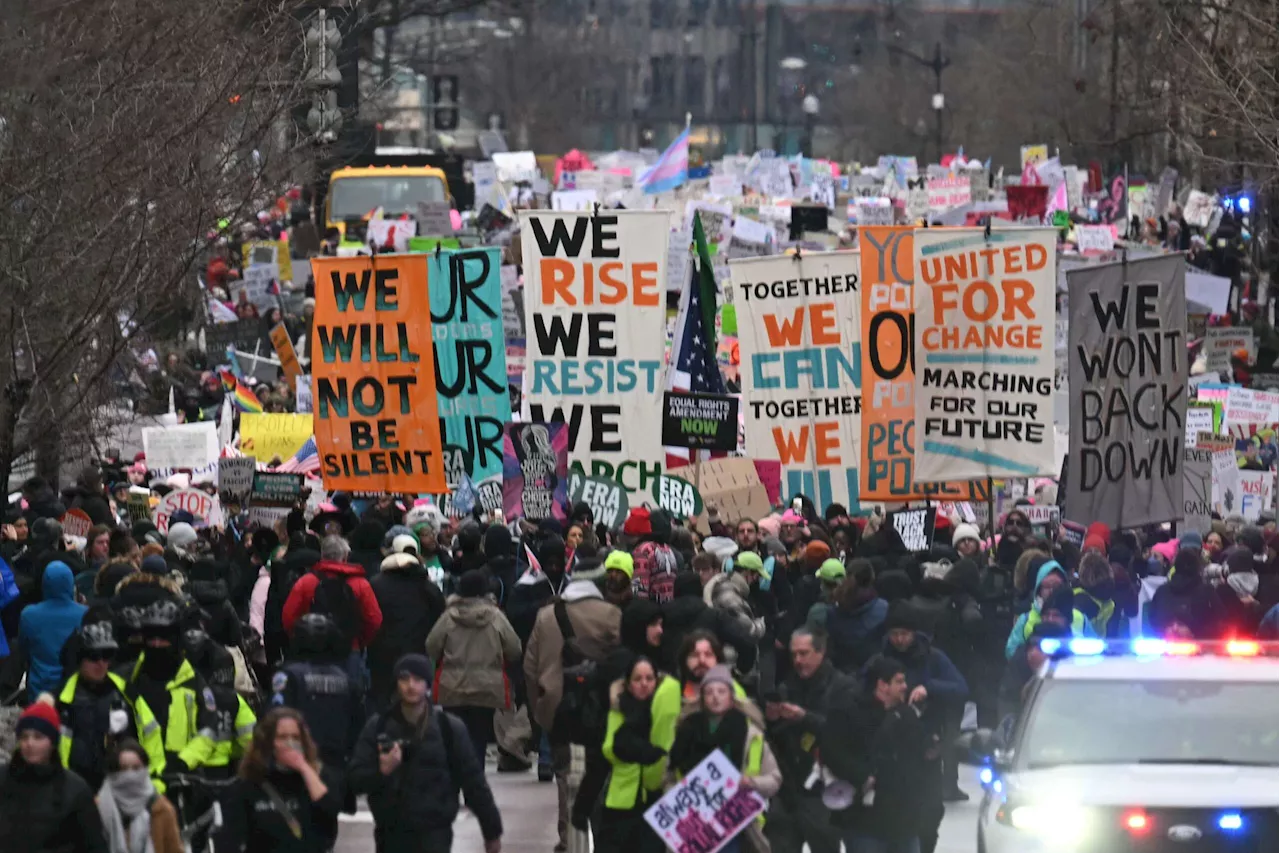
(595, 623)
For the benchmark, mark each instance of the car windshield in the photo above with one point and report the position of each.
(352, 198)
(1157, 722)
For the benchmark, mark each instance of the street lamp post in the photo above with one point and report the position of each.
(937, 65)
(811, 106)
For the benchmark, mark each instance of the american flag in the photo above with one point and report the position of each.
(305, 461)
(695, 369)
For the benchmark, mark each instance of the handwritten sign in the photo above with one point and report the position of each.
(235, 476)
(285, 352)
(706, 809)
(269, 436)
(377, 424)
(181, 446)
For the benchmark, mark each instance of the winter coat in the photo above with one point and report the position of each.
(303, 592)
(258, 601)
(596, 624)
(8, 594)
(420, 798)
(1189, 600)
(527, 599)
(47, 809)
(166, 836)
(655, 570)
(730, 594)
(1239, 619)
(854, 634)
(94, 504)
(931, 669)
(471, 644)
(215, 599)
(251, 819)
(825, 697)
(694, 742)
(45, 627)
(410, 604)
(949, 618)
(1026, 622)
(688, 612)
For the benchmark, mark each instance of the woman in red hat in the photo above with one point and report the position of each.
(43, 806)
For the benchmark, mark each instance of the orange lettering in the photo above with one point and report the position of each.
(791, 450)
(822, 324)
(617, 288)
(944, 299)
(1037, 257)
(1017, 298)
(789, 333)
(644, 281)
(1011, 259)
(557, 276)
(990, 304)
(826, 443)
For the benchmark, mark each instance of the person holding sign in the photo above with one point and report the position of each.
(721, 723)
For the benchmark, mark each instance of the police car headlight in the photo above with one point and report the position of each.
(1057, 825)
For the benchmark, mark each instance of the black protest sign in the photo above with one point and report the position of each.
(607, 499)
(242, 335)
(677, 496)
(235, 477)
(1127, 355)
(915, 526)
(700, 421)
(275, 489)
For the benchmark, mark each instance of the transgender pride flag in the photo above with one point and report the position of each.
(672, 168)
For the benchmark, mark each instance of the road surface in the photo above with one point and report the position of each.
(529, 810)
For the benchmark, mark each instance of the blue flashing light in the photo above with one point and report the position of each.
(1051, 645)
(1244, 204)
(1148, 647)
(997, 786)
(1231, 822)
(985, 776)
(1084, 646)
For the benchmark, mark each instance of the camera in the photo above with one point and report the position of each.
(386, 742)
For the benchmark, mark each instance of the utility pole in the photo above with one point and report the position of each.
(937, 64)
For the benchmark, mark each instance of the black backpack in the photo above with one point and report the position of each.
(583, 711)
(335, 598)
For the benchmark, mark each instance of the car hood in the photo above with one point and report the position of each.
(1150, 785)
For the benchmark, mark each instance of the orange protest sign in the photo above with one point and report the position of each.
(888, 374)
(285, 352)
(376, 418)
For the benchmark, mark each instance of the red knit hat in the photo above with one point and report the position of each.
(41, 717)
(1101, 531)
(1094, 541)
(638, 522)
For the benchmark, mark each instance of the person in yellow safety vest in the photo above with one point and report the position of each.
(174, 709)
(1095, 598)
(236, 720)
(1052, 603)
(721, 723)
(95, 712)
(637, 751)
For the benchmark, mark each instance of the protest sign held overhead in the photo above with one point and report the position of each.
(800, 340)
(285, 352)
(700, 421)
(887, 470)
(915, 527)
(1197, 490)
(377, 426)
(273, 436)
(235, 476)
(606, 497)
(677, 496)
(1128, 378)
(984, 307)
(595, 315)
(276, 489)
(180, 446)
(535, 480)
(203, 506)
(470, 361)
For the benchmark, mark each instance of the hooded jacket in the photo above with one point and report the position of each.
(303, 593)
(47, 809)
(1080, 626)
(45, 627)
(596, 624)
(730, 595)
(1189, 600)
(855, 633)
(411, 605)
(470, 645)
(688, 612)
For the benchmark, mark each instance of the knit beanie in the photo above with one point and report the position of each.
(42, 717)
(750, 561)
(1191, 539)
(1101, 531)
(963, 532)
(620, 561)
(181, 535)
(718, 674)
(419, 666)
(816, 551)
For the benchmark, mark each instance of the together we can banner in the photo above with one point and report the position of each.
(984, 336)
(887, 472)
(470, 362)
(801, 344)
(377, 424)
(595, 308)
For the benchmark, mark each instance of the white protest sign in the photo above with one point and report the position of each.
(1197, 490)
(1199, 419)
(302, 394)
(1042, 515)
(725, 186)
(1095, 239)
(393, 232)
(874, 211)
(255, 284)
(180, 446)
(706, 809)
(1198, 209)
(947, 193)
(1226, 481)
(1248, 406)
(205, 508)
(1220, 342)
(1257, 493)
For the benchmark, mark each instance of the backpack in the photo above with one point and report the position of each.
(443, 719)
(581, 715)
(335, 598)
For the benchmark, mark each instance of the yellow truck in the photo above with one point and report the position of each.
(357, 191)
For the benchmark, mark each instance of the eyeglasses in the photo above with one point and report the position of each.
(98, 656)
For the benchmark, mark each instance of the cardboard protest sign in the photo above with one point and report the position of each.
(984, 307)
(377, 426)
(266, 252)
(180, 446)
(607, 498)
(470, 362)
(202, 505)
(535, 478)
(433, 218)
(1128, 380)
(76, 522)
(235, 476)
(270, 436)
(1221, 342)
(139, 504)
(276, 489)
(700, 421)
(284, 351)
(800, 341)
(677, 496)
(596, 313)
(1197, 490)
(887, 470)
(730, 485)
(706, 809)
(915, 527)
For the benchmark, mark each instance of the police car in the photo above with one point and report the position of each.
(1151, 745)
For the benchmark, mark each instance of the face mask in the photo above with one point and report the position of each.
(161, 660)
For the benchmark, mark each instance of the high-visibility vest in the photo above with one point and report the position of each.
(67, 697)
(181, 738)
(232, 745)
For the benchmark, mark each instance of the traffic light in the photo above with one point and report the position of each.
(322, 41)
(444, 100)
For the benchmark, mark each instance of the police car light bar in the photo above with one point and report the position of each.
(1147, 647)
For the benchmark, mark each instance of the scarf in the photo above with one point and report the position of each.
(696, 739)
(127, 796)
(1243, 583)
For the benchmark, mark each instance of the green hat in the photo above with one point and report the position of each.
(621, 561)
(831, 570)
(750, 561)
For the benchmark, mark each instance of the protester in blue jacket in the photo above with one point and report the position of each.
(45, 627)
(8, 593)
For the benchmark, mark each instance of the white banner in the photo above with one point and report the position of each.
(1247, 406)
(948, 193)
(595, 314)
(800, 339)
(181, 446)
(1221, 341)
(984, 337)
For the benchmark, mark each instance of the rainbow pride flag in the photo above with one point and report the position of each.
(241, 395)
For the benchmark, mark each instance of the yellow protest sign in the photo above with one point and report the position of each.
(267, 436)
(285, 352)
(269, 252)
